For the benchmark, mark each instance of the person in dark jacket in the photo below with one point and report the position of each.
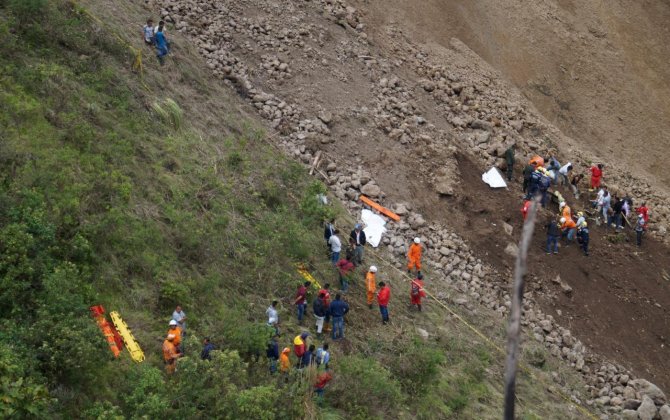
(359, 242)
(328, 231)
(583, 235)
(308, 357)
(272, 353)
(320, 311)
(338, 309)
(617, 211)
(527, 172)
(509, 161)
(553, 233)
(207, 348)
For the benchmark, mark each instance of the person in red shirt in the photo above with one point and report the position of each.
(596, 175)
(299, 345)
(326, 303)
(383, 297)
(644, 211)
(322, 380)
(416, 291)
(301, 300)
(345, 268)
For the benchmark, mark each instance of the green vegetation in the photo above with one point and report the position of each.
(140, 199)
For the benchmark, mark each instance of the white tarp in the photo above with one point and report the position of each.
(374, 227)
(494, 178)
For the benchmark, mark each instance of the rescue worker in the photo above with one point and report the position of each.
(207, 348)
(345, 269)
(320, 312)
(563, 173)
(416, 291)
(176, 331)
(170, 353)
(527, 172)
(414, 256)
(617, 214)
(565, 210)
(338, 309)
(359, 242)
(534, 186)
(596, 176)
(383, 297)
(553, 233)
(583, 235)
(285, 361)
(574, 184)
(371, 284)
(581, 220)
(509, 160)
(299, 346)
(568, 228)
(300, 300)
(640, 226)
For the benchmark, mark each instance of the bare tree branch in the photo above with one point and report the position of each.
(514, 328)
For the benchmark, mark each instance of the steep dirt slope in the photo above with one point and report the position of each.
(597, 70)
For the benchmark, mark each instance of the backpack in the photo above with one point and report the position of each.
(545, 182)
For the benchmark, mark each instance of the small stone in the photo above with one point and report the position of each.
(629, 415)
(508, 228)
(546, 325)
(423, 333)
(566, 289)
(326, 117)
(512, 249)
(371, 190)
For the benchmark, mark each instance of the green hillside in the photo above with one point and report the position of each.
(140, 190)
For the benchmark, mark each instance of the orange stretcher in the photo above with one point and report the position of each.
(111, 334)
(379, 208)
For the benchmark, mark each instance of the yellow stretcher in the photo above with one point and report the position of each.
(307, 276)
(134, 349)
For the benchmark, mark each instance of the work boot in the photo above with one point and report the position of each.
(370, 305)
(419, 306)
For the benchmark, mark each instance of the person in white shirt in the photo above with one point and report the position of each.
(273, 316)
(563, 174)
(180, 316)
(148, 32)
(335, 246)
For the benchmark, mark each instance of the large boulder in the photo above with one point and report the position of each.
(647, 410)
(646, 388)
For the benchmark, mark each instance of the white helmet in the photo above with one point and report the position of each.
(173, 322)
(417, 240)
(562, 204)
(562, 220)
(373, 268)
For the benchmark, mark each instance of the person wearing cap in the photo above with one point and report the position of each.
(371, 284)
(338, 309)
(553, 233)
(170, 353)
(568, 228)
(300, 300)
(207, 348)
(383, 298)
(414, 256)
(273, 316)
(640, 226)
(416, 291)
(583, 235)
(320, 311)
(359, 242)
(176, 330)
(299, 344)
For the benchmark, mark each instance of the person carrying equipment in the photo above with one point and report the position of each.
(583, 237)
(371, 284)
(565, 210)
(414, 256)
(170, 354)
(569, 227)
(416, 291)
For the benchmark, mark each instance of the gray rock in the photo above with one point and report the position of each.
(546, 325)
(664, 412)
(481, 125)
(326, 117)
(512, 249)
(566, 288)
(647, 410)
(616, 401)
(400, 210)
(631, 404)
(481, 137)
(646, 388)
(371, 190)
(423, 333)
(508, 228)
(629, 415)
(417, 222)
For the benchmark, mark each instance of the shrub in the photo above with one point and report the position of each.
(417, 366)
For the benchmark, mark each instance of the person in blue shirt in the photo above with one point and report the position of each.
(161, 43)
(272, 353)
(308, 357)
(206, 349)
(322, 356)
(338, 308)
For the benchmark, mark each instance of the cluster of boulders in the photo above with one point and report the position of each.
(483, 117)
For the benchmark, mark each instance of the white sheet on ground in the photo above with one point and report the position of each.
(494, 178)
(374, 227)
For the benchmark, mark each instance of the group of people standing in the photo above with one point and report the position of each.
(156, 36)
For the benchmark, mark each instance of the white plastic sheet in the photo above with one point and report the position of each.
(374, 227)
(494, 178)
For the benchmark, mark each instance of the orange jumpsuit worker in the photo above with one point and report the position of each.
(176, 330)
(170, 354)
(414, 256)
(565, 210)
(371, 284)
(284, 362)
